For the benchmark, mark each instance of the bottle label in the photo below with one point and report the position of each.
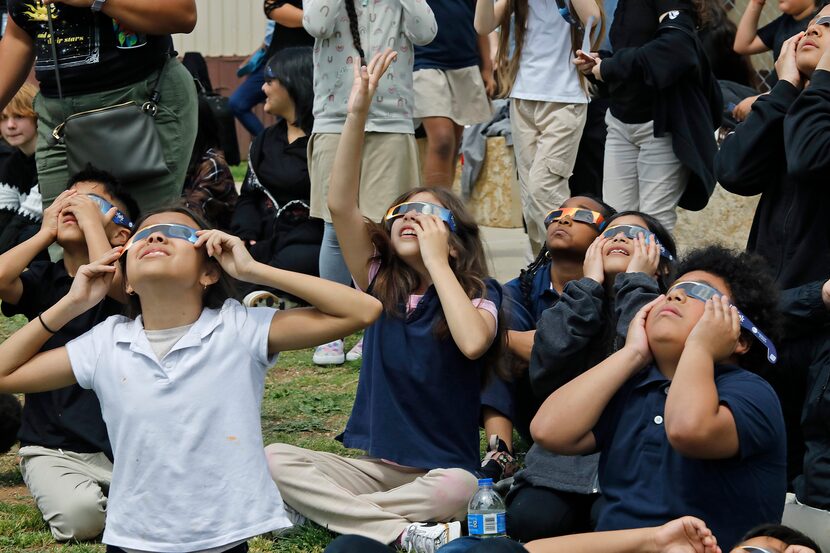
(486, 524)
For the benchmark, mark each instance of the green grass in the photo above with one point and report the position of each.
(238, 171)
(303, 405)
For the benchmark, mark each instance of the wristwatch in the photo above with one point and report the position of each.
(97, 5)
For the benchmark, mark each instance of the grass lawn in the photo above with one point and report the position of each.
(303, 405)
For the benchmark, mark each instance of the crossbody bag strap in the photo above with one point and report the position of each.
(54, 48)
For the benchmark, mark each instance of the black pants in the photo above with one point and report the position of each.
(241, 548)
(357, 544)
(535, 512)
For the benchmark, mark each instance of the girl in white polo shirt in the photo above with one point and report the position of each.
(548, 100)
(181, 385)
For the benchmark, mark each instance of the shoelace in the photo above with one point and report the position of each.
(422, 543)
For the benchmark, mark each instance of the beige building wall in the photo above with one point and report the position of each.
(225, 28)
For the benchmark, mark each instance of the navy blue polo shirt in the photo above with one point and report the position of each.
(523, 312)
(456, 44)
(418, 396)
(646, 482)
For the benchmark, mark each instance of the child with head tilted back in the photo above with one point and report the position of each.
(417, 407)
(181, 385)
(682, 423)
(599, 272)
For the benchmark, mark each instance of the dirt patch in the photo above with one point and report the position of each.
(16, 495)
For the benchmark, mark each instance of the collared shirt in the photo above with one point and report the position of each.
(524, 310)
(646, 482)
(190, 472)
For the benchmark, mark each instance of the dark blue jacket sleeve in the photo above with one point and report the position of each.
(632, 291)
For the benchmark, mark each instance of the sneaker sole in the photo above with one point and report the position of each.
(328, 361)
(351, 357)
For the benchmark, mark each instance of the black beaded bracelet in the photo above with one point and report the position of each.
(49, 330)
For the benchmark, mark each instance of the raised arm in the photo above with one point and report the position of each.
(22, 368)
(747, 41)
(286, 15)
(336, 310)
(349, 225)
(489, 15)
(156, 17)
(807, 129)
(320, 16)
(564, 423)
(418, 21)
(15, 261)
(18, 54)
(749, 158)
(697, 424)
(683, 535)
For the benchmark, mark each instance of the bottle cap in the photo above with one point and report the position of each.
(485, 481)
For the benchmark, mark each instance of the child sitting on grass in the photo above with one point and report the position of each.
(181, 385)
(418, 399)
(681, 423)
(65, 455)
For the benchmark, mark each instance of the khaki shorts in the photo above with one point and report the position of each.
(390, 167)
(456, 94)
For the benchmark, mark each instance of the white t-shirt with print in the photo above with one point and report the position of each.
(190, 471)
(546, 72)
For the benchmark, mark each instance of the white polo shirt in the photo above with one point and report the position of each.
(190, 471)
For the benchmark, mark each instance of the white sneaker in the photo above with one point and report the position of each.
(297, 521)
(427, 537)
(329, 354)
(356, 353)
(261, 298)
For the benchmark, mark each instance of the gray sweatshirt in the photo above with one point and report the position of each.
(395, 24)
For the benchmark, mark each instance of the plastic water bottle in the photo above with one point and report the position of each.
(486, 512)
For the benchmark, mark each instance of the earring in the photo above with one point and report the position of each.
(204, 287)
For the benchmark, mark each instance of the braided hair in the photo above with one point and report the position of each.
(351, 11)
(526, 275)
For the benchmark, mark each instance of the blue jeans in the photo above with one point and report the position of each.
(245, 97)
(332, 265)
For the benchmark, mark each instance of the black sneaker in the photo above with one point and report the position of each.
(498, 462)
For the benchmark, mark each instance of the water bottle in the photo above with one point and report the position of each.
(486, 512)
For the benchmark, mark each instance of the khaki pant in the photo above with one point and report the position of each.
(813, 522)
(641, 171)
(545, 141)
(367, 497)
(69, 489)
(390, 167)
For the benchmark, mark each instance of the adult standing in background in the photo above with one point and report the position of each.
(249, 93)
(453, 77)
(108, 53)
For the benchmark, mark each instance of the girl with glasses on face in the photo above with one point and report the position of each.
(417, 408)
(180, 385)
(622, 269)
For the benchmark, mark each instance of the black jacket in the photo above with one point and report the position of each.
(782, 151)
(807, 360)
(687, 103)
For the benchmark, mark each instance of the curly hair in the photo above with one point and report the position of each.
(10, 413)
(783, 533)
(752, 290)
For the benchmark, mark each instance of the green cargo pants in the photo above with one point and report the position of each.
(176, 123)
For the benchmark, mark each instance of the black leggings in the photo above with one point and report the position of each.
(241, 548)
(534, 512)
